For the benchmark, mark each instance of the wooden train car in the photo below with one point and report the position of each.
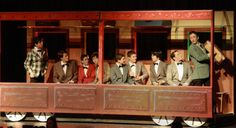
(163, 103)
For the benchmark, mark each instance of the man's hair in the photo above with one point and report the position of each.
(36, 40)
(83, 56)
(158, 54)
(60, 53)
(130, 53)
(193, 32)
(119, 56)
(94, 54)
(172, 55)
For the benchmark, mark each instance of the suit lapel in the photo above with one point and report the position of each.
(68, 68)
(60, 69)
(160, 66)
(118, 70)
(175, 70)
(153, 70)
(184, 70)
(138, 69)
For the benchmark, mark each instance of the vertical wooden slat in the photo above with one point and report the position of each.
(101, 50)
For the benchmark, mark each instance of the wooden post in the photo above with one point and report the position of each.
(101, 50)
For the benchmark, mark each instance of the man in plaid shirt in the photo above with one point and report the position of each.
(36, 62)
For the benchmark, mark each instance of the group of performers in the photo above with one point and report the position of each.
(133, 72)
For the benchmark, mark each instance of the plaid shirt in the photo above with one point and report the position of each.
(35, 63)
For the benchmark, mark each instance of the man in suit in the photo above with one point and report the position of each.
(106, 69)
(200, 59)
(158, 69)
(119, 72)
(178, 72)
(36, 61)
(86, 73)
(65, 70)
(137, 71)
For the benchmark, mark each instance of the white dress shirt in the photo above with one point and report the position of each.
(64, 66)
(85, 67)
(156, 65)
(133, 68)
(121, 68)
(180, 69)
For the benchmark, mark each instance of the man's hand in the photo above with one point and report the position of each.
(161, 82)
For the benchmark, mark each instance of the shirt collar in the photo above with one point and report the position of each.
(158, 61)
(130, 64)
(62, 63)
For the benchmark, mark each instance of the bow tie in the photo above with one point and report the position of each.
(120, 66)
(155, 64)
(85, 67)
(64, 65)
(180, 63)
(39, 50)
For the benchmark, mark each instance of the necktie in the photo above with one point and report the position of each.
(39, 50)
(132, 65)
(155, 64)
(85, 67)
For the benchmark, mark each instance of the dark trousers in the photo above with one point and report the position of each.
(200, 82)
(39, 79)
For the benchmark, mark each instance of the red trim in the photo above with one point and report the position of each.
(111, 15)
(48, 15)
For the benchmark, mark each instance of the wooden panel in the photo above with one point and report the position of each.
(107, 99)
(75, 98)
(180, 101)
(183, 101)
(127, 99)
(24, 97)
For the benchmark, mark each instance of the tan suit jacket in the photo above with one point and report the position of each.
(140, 71)
(173, 76)
(161, 72)
(71, 72)
(106, 74)
(118, 78)
(201, 62)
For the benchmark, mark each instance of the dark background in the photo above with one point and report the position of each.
(104, 5)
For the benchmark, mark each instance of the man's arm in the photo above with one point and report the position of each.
(169, 76)
(27, 64)
(74, 72)
(189, 73)
(55, 75)
(198, 54)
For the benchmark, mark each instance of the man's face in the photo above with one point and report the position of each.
(154, 58)
(178, 56)
(65, 57)
(95, 60)
(122, 60)
(193, 38)
(133, 58)
(85, 60)
(39, 45)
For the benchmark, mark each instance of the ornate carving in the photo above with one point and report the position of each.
(127, 99)
(75, 98)
(24, 97)
(180, 101)
(157, 15)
